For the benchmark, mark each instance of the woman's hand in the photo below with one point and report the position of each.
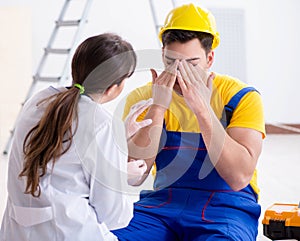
(132, 126)
(135, 170)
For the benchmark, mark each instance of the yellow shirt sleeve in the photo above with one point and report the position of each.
(249, 112)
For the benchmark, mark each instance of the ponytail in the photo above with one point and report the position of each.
(50, 138)
(98, 63)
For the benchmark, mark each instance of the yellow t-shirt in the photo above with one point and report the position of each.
(248, 113)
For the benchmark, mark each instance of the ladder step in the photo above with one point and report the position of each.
(57, 51)
(46, 79)
(66, 23)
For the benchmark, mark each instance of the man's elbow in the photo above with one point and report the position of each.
(240, 182)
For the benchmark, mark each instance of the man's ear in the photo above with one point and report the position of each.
(162, 55)
(210, 58)
(162, 52)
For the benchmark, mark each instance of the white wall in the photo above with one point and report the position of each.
(273, 56)
(15, 64)
(15, 69)
(272, 41)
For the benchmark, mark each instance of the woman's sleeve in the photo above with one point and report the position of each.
(109, 192)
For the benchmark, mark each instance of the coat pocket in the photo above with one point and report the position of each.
(29, 216)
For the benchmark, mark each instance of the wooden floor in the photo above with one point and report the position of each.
(281, 128)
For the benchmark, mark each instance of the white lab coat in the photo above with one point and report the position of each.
(84, 195)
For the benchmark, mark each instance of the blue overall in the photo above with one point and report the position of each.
(190, 200)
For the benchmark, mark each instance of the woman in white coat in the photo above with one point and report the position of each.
(67, 177)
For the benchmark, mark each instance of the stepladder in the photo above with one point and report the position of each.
(157, 15)
(68, 27)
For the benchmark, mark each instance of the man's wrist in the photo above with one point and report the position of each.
(157, 109)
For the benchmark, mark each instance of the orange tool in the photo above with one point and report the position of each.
(282, 221)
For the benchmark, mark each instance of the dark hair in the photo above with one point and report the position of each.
(183, 36)
(98, 63)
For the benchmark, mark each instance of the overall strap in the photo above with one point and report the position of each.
(232, 104)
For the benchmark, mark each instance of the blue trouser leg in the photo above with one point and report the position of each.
(224, 216)
(144, 227)
(154, 217)
(193, 215)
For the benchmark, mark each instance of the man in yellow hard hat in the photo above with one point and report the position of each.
(205, 139)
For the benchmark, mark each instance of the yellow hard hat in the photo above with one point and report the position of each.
(193, 18)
